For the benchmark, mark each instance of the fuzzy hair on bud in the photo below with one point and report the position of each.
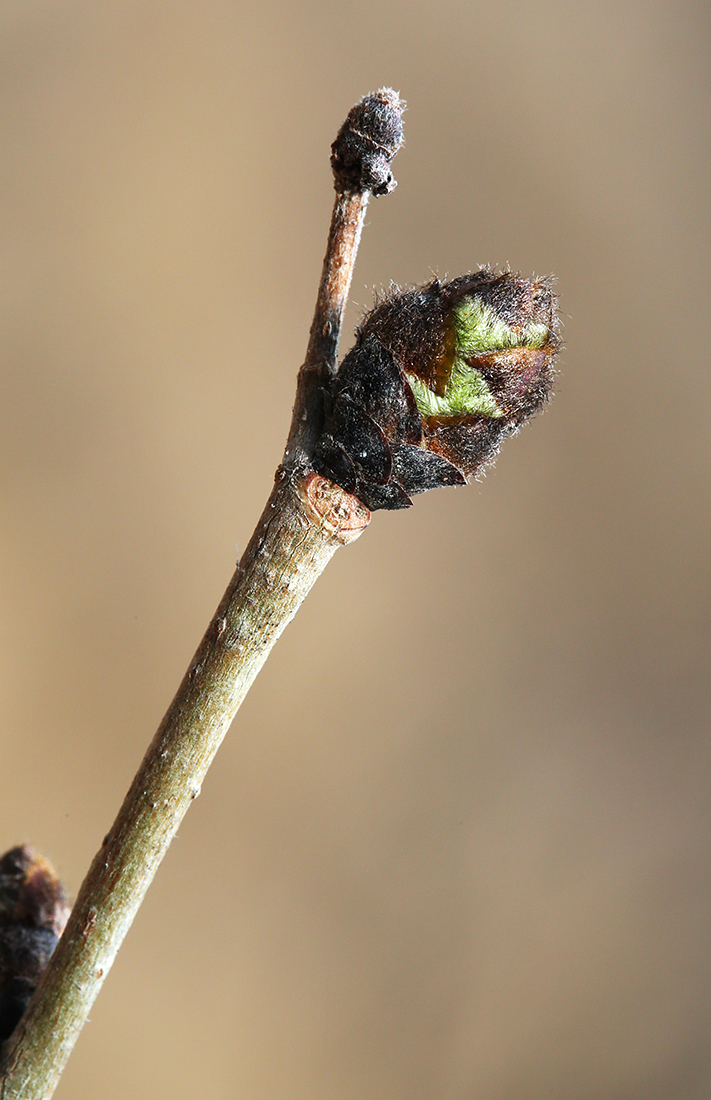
(438, 377)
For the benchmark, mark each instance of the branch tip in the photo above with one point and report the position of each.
(367, 142)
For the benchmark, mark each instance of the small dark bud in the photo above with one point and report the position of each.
(439, 375)
(367, 142)
(33, 913)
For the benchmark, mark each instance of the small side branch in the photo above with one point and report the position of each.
(361, 157)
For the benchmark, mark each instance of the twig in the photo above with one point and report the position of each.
(360, 157)
(305, 520)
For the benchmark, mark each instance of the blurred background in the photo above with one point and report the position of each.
(456, 845)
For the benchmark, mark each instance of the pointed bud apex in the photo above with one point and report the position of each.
(33, 913)
(367, 143)
(438, 377)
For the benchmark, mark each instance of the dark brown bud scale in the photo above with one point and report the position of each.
(33, 913)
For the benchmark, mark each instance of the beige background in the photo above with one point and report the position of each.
(457, 844)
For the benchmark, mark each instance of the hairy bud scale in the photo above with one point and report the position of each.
(439, 375)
